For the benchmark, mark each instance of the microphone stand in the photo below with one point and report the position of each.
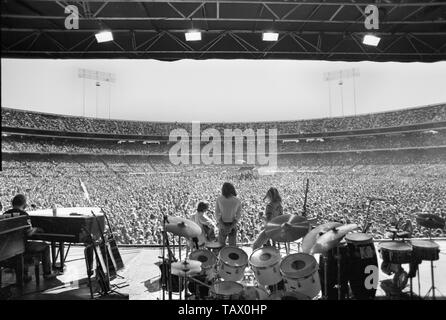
(304, 213)
(169, 259)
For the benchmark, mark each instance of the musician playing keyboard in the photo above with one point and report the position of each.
(18, 208)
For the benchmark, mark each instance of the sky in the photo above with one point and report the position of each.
(218, 90)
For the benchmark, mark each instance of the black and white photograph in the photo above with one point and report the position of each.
(198, 151)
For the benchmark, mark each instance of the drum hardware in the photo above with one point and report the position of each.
(232, 263)
(226, 290)
(361, 255)
(338, 258)
(184, 270)
(430, 221)
(429, 250)
(183, 228)
(300, 272)
(310, 238)
(325, 297)
(287, 295)
(332, 238)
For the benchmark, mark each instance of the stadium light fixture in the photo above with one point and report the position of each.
(193, 35)
(270, 36)
(371, 40)
(104, 36)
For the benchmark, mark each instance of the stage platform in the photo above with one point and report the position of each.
(141, 274)
(72, 284)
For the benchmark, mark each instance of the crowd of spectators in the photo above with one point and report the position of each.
(90, 146)
(137, 191)
(25, 119)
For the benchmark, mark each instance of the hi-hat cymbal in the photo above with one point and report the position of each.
(182, 227)
(189, 273)
(287, 228)
(430, 221)
(310, 238)
(186, 268)
(331, 238)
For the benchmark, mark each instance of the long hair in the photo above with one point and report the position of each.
(273, 195)
(228, 190)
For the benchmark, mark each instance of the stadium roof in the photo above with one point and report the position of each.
(411, 30)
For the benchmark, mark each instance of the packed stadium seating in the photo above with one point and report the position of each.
(136, 183)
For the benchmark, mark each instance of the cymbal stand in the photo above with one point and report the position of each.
(325, 258)
(419, 286)
(433, 287)
(168, 276)
(179, 246)
(338, 258)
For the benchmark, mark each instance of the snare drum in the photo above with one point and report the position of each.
(300, 273)
(232, 263)
(214, 246)
(425, 250)
(395, 252)
(287, 295)
(362, 255)
(265, 262)
(226, 290)
(207, 258)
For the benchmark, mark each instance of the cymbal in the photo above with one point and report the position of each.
(182, 227)
(310, 238)
(331, 238)
(287, 228)
(430, 221)
(262, 238)
(186, 268)
(189, 273)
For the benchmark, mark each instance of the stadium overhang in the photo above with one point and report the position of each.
(410, 30)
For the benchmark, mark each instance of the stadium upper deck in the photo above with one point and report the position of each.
(426, 117)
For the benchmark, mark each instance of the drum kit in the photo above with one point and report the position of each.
(400, 251)
(346, 258)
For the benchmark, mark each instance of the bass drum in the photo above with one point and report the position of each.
(363, 261)
(329, 264)
(300, 273)
(226, 290)
(288, 295)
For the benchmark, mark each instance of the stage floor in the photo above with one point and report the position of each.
(141, 274)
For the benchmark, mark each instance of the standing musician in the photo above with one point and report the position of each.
(206, 224)
(228, 211)
(274, 206)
